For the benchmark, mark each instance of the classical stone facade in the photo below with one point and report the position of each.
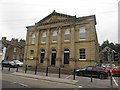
(14, 49)
(62, 40)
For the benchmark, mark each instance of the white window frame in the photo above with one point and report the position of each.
(84, 54)
(67, 32)
(33, 38)
(42, 37)
(54, 36)
(82, 31)
(14, 50)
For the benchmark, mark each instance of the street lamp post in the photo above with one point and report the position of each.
(109, 59)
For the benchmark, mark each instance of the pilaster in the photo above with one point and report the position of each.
(59, 38)
(37, 46)
(72, 47)
(47, 51)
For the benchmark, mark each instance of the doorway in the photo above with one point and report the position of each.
(53, 57)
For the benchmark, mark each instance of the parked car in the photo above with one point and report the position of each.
(116, 71)
(18, 63)
(7, 63)
(107, 67)
(95, 71)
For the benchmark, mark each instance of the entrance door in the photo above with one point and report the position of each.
(66, 58)
(53, 57)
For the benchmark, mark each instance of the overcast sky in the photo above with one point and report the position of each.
(15, 15)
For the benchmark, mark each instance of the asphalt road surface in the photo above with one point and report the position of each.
(32, 83)
(83, 82)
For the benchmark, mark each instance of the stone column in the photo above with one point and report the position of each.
(47, 49)
(58, 57)
(72, 47)
(26, 48)
(37, 46)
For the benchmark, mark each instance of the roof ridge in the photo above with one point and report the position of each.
(55, 13)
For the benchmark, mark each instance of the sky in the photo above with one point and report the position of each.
(15, 15)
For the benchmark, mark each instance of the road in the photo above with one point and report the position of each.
(21, 81)
(32, 83)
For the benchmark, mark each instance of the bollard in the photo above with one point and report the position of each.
(26, 69)
(35, 70)
(59, 72)
(17, 68)
(74, 74)
(47, 71)
(91, 78)
(2, 67)
(9, 68)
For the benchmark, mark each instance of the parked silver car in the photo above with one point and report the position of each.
(18, 63)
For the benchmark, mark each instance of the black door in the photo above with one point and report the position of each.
(42, 57)
(66, 58)
(53, 58)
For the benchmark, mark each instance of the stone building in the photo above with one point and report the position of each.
(14, 49)
(114, 55)
(60, 39)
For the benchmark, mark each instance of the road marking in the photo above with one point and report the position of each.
(68, 76)
(80, 86)
(21, 84)
(115, 81)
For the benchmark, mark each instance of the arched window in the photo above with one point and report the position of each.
(33, 38)
(67, 35)
(82, 33)
(43, 37)
(66, 56)
(42, 55)
(54, 36)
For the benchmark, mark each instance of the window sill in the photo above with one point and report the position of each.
(82, 59)
(43, 42)
(82, 39)
(54, 41)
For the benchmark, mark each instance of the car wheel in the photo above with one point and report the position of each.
(101, 76)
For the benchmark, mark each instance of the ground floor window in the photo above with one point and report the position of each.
(82, 54)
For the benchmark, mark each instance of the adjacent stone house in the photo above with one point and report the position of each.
(114, 56)
(14, 49)
(60, 39)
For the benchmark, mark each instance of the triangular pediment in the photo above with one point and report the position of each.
(54, 17)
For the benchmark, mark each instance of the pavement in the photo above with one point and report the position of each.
(54, 79)
(68, 79)
(42, 75)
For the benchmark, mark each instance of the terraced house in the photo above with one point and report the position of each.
(60, 39)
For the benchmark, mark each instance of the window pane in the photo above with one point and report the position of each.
(82, 54)
(33, 38)
(54, 38)
(67, 34)
(82, 33)
(43, 37)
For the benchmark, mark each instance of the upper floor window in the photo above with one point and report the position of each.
(82, 33)
(82, 54)
(33, 38)
(43, 37)
(14, 50)
(67, 35)
(54, 36)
